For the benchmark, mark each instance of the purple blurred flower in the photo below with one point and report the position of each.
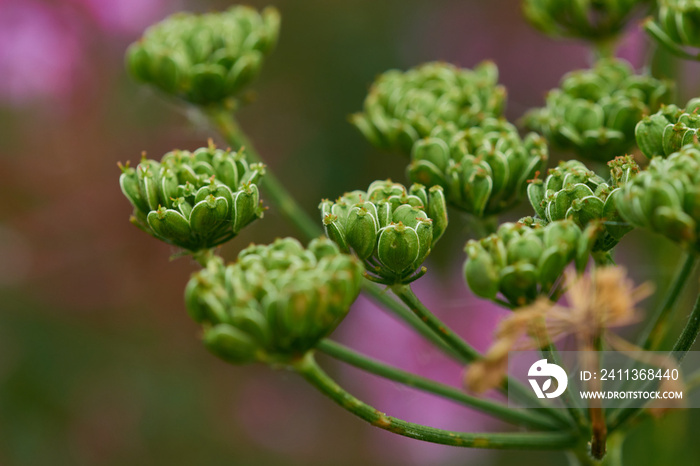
(43, 45)
(633, 46)
(39, 51)
(126, 17)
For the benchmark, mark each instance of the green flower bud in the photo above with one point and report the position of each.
(584, 19)
(390, 228)
(480, 271)
(667, 130)
(275, 302)
(246, 206)
(403, 107)
(677, 27)
(362, 230)
(665, 198)
(398, 248)
(194, 200)
(571, 191)
(205, 58)
(437, 211)
(522, 260)
(484, 169)
(594, 113)
(230, 344)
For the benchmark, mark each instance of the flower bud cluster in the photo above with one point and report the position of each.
(666, 197)
(194, 200)
(275, 302)
(390, 228)
(594, 112)
(403, 107)
(484, 169)
(593, 20)
(572, 191)
(205, 58)
(523, 260)
(677, 26)
(669, 129)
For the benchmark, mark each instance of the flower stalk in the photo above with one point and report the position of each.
(464, 349)
(310, 370)
(223, 120)
(653, 334)
(499, 410)
(685, 341)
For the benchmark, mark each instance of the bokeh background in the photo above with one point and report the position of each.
(100, 365)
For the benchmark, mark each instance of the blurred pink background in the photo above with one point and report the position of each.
(99, 364)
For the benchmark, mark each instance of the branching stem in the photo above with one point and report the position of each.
(310, 370)
(528, 418)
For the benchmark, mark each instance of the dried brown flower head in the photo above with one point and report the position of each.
(598, 301)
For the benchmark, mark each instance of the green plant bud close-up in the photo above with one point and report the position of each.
(669, 129)
(404, 107)
(484, 169)
(677, 27)
(665, 198)
(594, 112)
(572, 191)
(194, 200)
(593, 20)
(523, 261)
(205, 58)
(275, 302)
(391, 228)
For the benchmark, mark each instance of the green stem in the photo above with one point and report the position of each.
(603, 259)
(604, 48)
(614, 456)
(380, 296)
(689, 334)
(308, 368)
(581, 456)
(657, 327)
(482, 226)
(464, 349)
(549, 350)
(203, 256)
(278, 195)
(683, 344)
(515, 416)
(692, 381)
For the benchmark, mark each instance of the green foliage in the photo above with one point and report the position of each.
(275, 302)
(669, 129)
(594, 20)
(390, 228)
(666, 197)
(206, 58)
(524, 260)
(572, 191)
(594, 112)
(403, 107)
(194, 200)
(484, 169)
